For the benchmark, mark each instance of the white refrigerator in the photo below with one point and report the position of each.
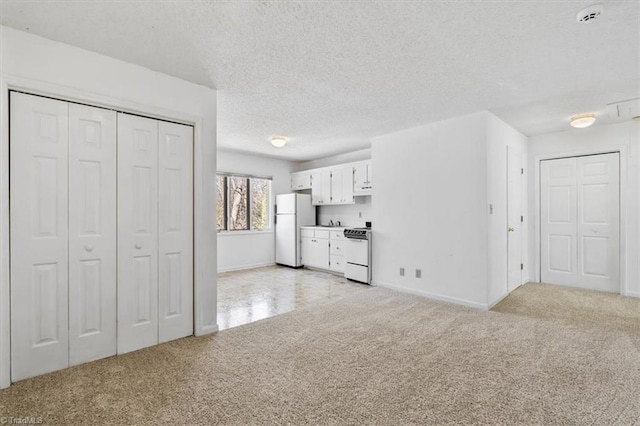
(292, 212)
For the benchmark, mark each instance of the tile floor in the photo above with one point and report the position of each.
(255, 294)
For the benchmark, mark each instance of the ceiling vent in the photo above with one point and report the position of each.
(590, 14)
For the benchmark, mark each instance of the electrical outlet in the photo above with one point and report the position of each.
(402, 272)
(418, 273)
(360, 215)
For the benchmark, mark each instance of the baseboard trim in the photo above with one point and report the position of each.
(633, 294)
(243, 267)
(499, 299)
(439, 297)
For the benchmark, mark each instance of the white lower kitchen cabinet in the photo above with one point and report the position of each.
(315, 252)
(323, 248)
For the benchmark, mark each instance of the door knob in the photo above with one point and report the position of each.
(88, 248)
(510, 229)
(138, 246)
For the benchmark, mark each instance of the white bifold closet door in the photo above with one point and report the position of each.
(155, 232)
(580, 222)
(175, 261)
(92, 233)
(63, 238)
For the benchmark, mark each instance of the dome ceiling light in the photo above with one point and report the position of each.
(580, 121)
(278, 141)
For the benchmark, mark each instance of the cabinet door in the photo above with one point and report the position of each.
(92, 233)
(175, 238)
(306, 250)
(315, 252)
(336, 186)
(316, 189)
(321, 187)
(137, 232)
(326, 186)
(360, 177)
(347, 185)
(300, 181)
(39, 236)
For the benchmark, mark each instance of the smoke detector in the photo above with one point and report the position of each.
(590, 14)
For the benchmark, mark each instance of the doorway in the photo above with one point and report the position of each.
(580, 221)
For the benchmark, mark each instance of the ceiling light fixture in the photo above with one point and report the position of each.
(580, 121)
(278, 141)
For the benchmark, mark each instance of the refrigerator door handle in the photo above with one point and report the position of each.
(275, 219)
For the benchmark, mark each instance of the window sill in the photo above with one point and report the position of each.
(239, 233)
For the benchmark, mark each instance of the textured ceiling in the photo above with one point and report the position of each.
(331, 75)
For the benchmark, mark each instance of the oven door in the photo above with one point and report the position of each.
(357, 251)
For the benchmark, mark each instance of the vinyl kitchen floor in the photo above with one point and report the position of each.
(255, 294)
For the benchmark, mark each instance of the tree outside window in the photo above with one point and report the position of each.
(243, 203)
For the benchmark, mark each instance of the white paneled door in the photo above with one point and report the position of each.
(580, 222)
(137, 232)
(92, 233)
(514, 218)
(175, 297)
(39, 238)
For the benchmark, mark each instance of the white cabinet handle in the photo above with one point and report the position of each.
(138, 246)
(88, 248)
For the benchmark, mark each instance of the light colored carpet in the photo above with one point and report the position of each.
(573, 306)
(379, 357)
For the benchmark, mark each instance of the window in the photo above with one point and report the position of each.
(243, 203)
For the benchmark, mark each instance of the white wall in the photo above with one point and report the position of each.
(38, 65)
(430, 209)
(499, 137)
(243, 249)
(623, 137)
(352, 215)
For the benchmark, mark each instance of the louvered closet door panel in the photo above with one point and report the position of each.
(137, 232)
(39, 237)
(176, 231)
(92, 233)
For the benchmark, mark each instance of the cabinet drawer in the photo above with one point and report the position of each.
(337, 247)
(322, 233)
(337, 235)
(337, 263)
(306, 233)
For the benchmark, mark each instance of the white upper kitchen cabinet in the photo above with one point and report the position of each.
(321, 187)
(362, 178)
(300, 181)
(342, 185)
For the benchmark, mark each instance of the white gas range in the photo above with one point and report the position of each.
(358, 254)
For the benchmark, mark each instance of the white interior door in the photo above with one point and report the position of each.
(92, 233)
(175, 298)
(137, 232)
(514, 218)
(39, 235)
(580, 222)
